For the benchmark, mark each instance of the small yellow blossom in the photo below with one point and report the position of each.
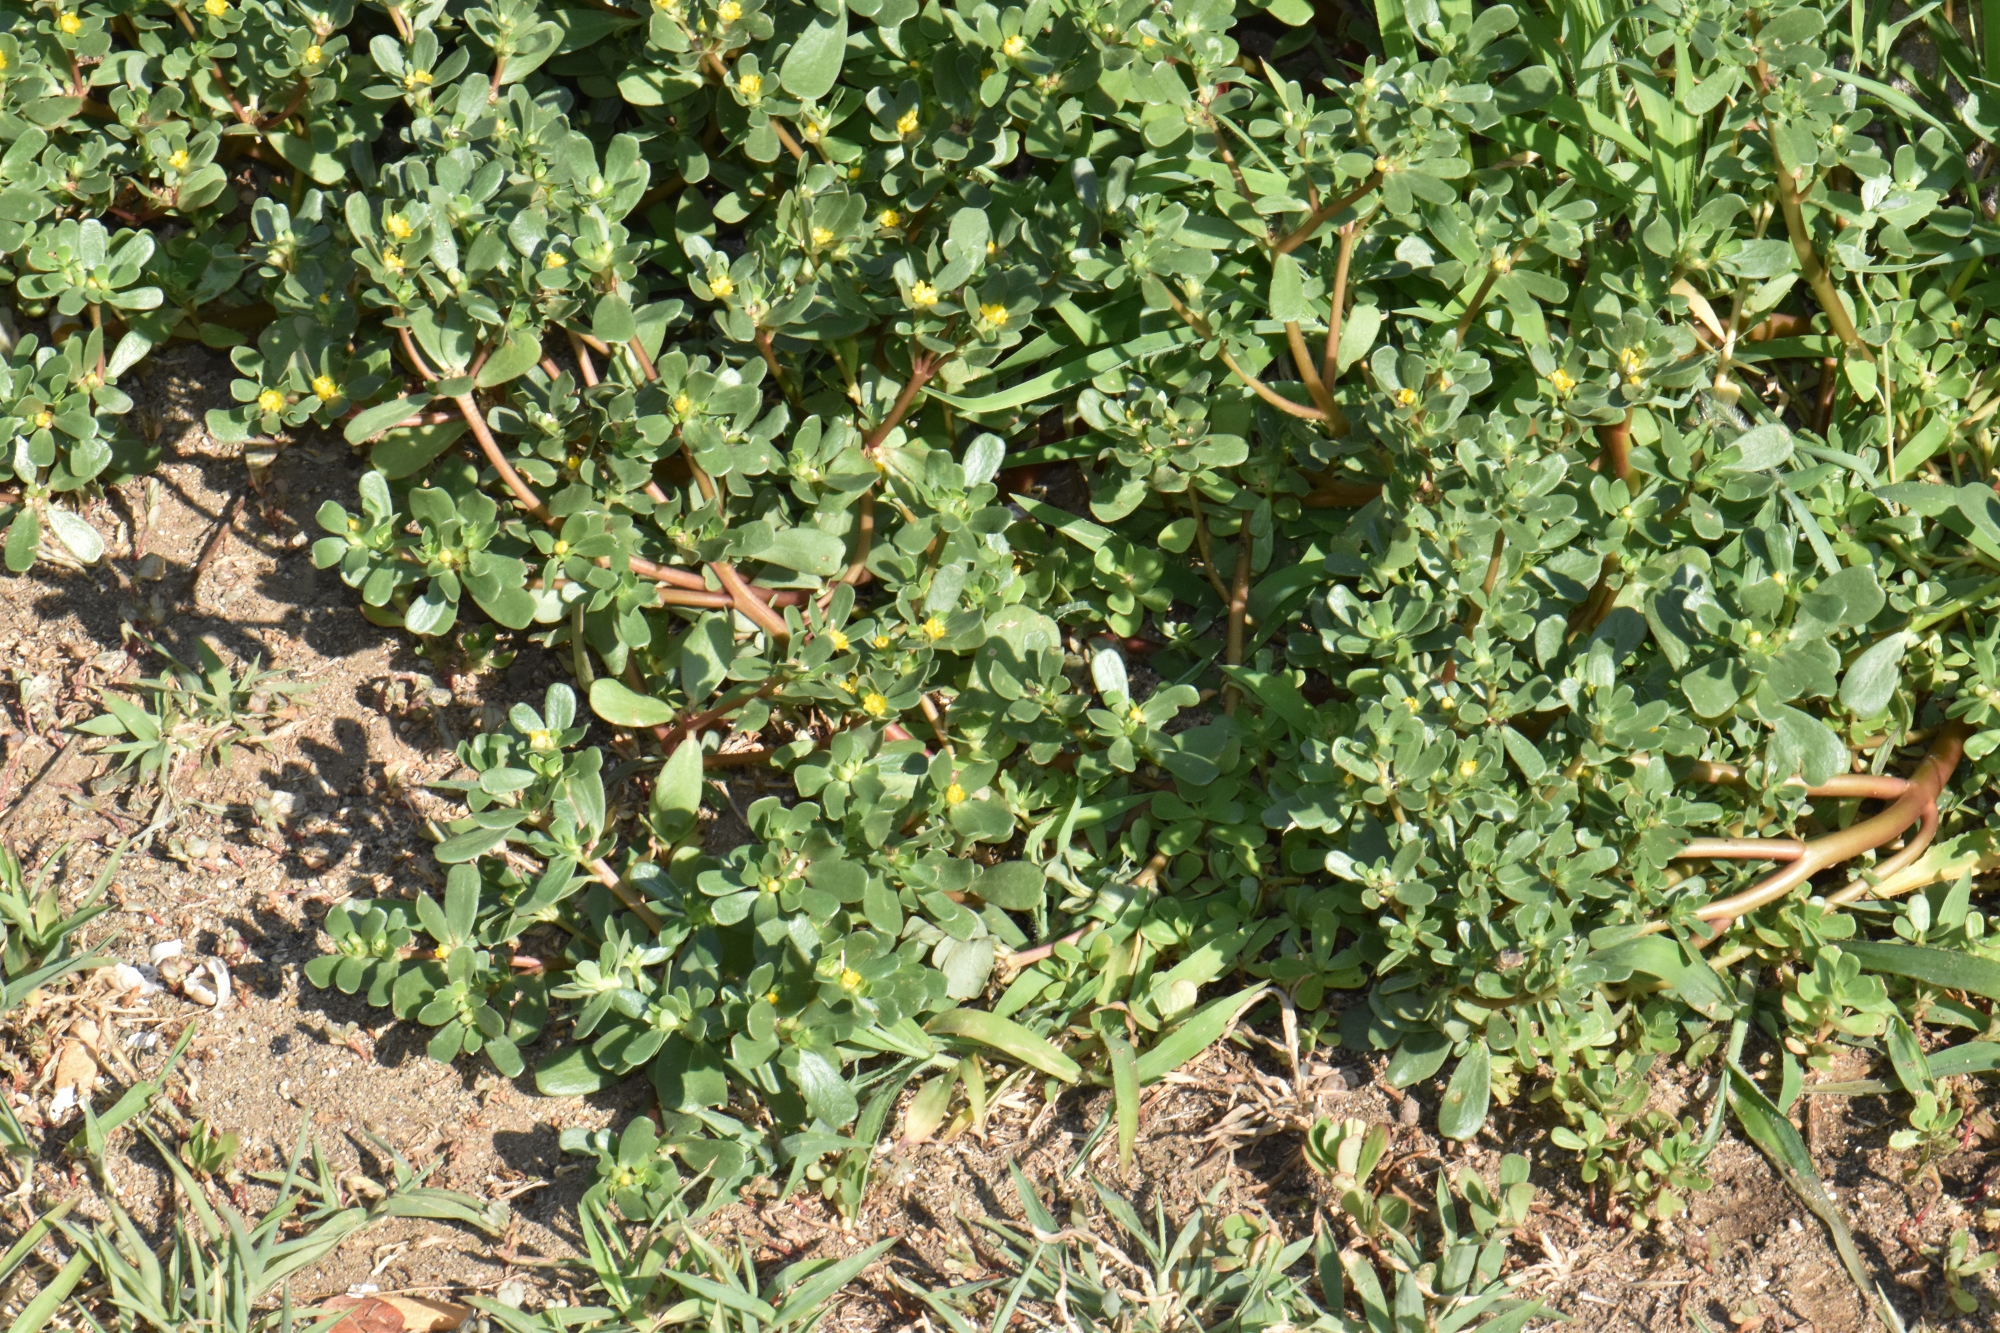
(398, 226)
(954, 794)
(850, 979)
(215, 8)
(881, 641)
(923, 295)
(179, 160)
(1468, 768)
(751, 86)
(906, 124)
(1382, 165)
(1562, 380)
(70, 24)
(847, 686)
(556, 259)
(682, 404)
(770, 997)
(1410, 703)
(1405, 397)
(1135, 714)
(392, 261)
(729, 11)
(933, 629)
(722, 285)
(838, 640)
(3, 66)
(45, 419)
(994, 314)
(874, 705)
(854, 173)
(1014, 45)
(772, 885)
(271, 401)
(822, 236)
(889, 217)
(313, 55)
(417, 78)
(324, 386)
(542, 739)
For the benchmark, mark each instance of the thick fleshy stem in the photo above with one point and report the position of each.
(1917, 803)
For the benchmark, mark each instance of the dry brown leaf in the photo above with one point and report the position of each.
(395, 1314)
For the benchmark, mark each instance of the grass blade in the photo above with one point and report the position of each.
(37, 1313)
(1007, 1037)
(1124, 1096)
(1196, 1033)
(1936, 967)
(1779, 1141)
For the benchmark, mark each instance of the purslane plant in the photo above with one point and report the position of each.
(1201, 510)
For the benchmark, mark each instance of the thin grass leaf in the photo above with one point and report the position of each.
(1779, 1141)
(1195, 1034)
(1007, 1037)
(36, 1314)
(1936, 967)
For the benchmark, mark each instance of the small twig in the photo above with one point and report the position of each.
(1239, 604)
(582, 355)
(1330, 370)
(1319, 215)
(624, 893)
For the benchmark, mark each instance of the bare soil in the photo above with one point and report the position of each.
(335, 808)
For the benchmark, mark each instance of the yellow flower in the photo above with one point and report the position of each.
(556, 260)
(1562, 380)
(1382, 165)
(995, 314)
(324, 386)
(880, 641)
(923, 295)
(70, 24)
(3, 65)
(772, 885)
(1014, 45)
(1135, 714)
(271, 400)
(954, 794)
(392, 261)
(770, 997)
(1468, 768)
(45, 419)
(416, 78)
(313, 55)
(722, 285)
(854, 173)
(822, 236)
(751, 86)
(398, 226)
(874, 705)
(838, 640)
(682, 404)
(561, 547)
(933, 629)
(729, 11)
(850, 979)
(542, 740)
(889, 217)
(216, 8)
(179, 160)
(847, 686)
(906, 124)
(1405, 397)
